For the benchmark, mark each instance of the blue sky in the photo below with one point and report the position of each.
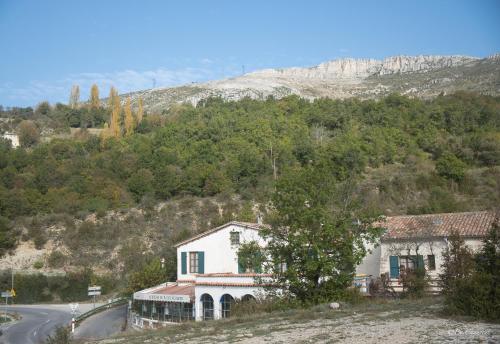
(46, 46)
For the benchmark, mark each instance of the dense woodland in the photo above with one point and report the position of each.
(405, 155)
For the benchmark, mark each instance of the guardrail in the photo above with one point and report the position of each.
(116, 302)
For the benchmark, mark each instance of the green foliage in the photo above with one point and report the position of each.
(28, 133)
(250, 257)
(224, 148)
(148, 276)
(415, 282)
(61, 336)
(56, 259)
(36, 288)
(471, 285)
(449, 166)
(319, 231)
(38, 264)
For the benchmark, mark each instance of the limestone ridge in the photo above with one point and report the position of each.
(362, 68)
(419, 76)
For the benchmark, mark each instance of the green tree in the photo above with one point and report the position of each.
(28, 133)
(141, 183)
(451, 167)
(318, 232)
(152, 274)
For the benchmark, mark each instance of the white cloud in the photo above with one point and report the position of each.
(124, 81)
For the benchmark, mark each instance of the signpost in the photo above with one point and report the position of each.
(6, 294)
(93, 291)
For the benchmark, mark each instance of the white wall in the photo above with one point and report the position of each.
(14, 139)
(370, 265)
(435, 247)
(216, 292)
(220, 255)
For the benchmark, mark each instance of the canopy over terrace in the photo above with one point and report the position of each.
(167, 302)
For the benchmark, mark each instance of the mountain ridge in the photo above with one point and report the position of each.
(420, 76)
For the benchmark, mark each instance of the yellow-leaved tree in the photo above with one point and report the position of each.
(94, 97)
(129, 120)
(114, 102)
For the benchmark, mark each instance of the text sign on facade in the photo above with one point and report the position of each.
(162, 297)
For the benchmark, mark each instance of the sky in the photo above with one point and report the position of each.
(48, 46)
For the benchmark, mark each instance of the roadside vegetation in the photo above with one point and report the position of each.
(119, 200)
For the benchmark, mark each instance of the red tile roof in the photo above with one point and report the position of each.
(176, 290)
(230, 274)
(470, 224)
(250, 225)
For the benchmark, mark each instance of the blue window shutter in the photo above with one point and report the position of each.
(241, 270)
(394, 266)
(201, 262)
(183, 263)
(420, 262)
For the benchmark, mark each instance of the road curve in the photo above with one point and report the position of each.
(35, 325)
(102, 325)
(37, 322)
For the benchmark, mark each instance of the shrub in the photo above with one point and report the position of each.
(38, 264)
(472, 287)
(56, 259)
(415, 282)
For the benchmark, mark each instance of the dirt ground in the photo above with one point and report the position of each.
(398, 322)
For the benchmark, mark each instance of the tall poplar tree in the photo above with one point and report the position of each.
(74, 97)
(114, 102)
(129, 120)
(94, 97)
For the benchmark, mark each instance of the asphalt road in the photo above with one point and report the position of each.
(102, 325)
(37, 322)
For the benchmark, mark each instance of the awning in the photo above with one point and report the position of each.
(167, 292)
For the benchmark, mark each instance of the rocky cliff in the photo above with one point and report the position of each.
(421, 76)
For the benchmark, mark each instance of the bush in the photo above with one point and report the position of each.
(472, 286)
(56, 259)
(38, 264)
(415, 282)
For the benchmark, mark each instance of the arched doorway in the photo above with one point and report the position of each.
(247, 298)
(226, 301)
(207, 307)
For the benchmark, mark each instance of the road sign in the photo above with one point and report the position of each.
(74, 308)
(6, 294)
(13, 292)
(93, 293)
(94, 288)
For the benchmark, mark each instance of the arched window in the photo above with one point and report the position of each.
(207, 304)
(226, 302)
(247, 298)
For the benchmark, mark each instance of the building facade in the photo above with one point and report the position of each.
(209, 279)
(420, 240)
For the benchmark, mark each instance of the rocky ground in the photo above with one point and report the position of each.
(399, 321)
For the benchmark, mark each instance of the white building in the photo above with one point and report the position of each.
(13, 138)
(209, 279)
(420, 240)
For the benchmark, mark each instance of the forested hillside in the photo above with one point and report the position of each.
(405, 156)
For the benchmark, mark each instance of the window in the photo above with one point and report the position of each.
(406, 262)
(193, 262)
(411, 262)
(234, 237)
(431, 262)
